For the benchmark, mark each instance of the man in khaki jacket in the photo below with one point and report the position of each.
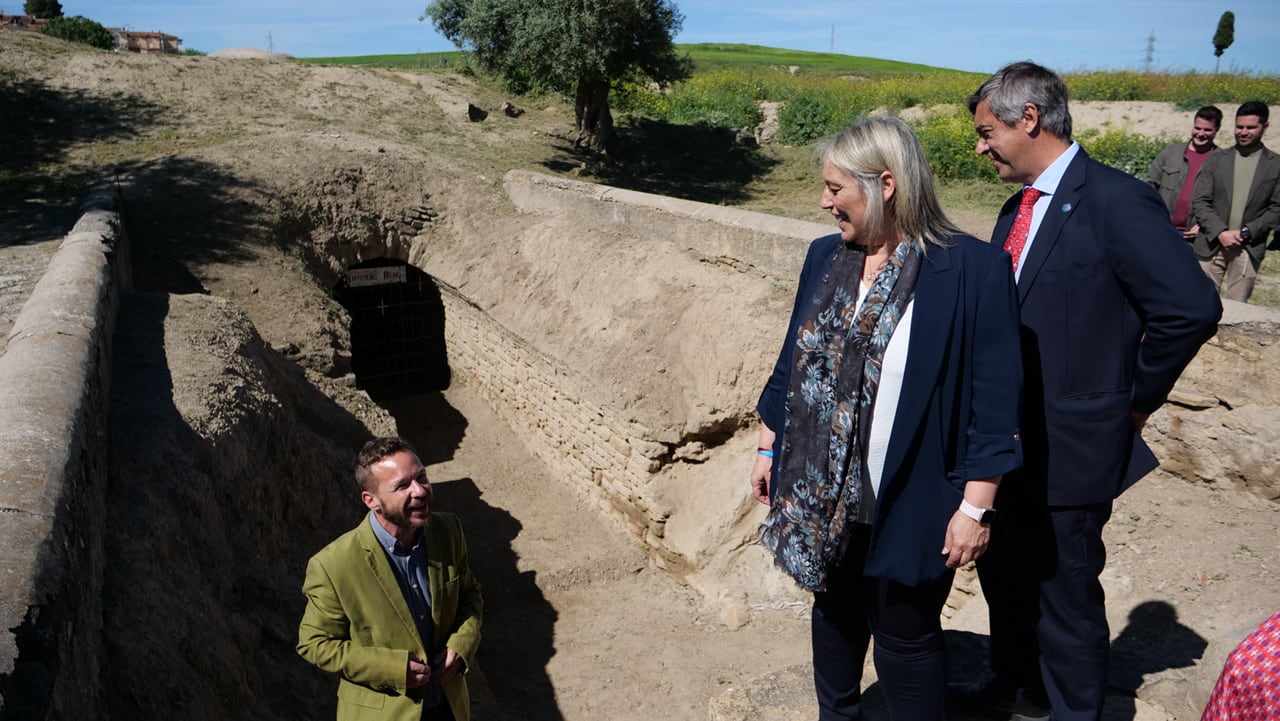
(392, 607)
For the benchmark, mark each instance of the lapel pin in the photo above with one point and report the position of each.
(1066, 207)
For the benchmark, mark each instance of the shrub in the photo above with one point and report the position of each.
(805, 119)
(1187, 91)
(905, 91)
(1109, 86)
(948, 140)
(818, 104)
(80, 29)
(720, 99)
(1124, 151)
(639, 99)
(1193, 90)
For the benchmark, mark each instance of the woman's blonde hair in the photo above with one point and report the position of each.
(866, 149)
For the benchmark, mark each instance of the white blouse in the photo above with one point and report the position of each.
(886, 406)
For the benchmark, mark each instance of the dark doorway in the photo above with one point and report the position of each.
(397, 328)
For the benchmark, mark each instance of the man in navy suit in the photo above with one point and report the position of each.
(1114, 306)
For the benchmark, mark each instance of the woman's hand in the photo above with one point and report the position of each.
(763, 468)
(966, 540)
(760, 478)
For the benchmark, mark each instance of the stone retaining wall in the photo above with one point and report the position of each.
(601, 450)
(1220, 424)
(54, 379)
(585, 444)
(740, 239)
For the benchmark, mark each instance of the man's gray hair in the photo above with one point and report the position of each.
(1013, 86)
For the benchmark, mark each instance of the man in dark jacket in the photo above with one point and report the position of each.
(1112, 309)
(1174, 170)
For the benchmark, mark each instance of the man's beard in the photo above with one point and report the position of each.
(403, 519)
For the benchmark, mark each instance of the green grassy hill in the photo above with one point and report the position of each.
(706, 57)
(710, 55)
(411, 61)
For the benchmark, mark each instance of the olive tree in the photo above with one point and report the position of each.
(578, 47)
(43, 8)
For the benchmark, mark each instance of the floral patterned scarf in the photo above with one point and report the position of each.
(838, 352)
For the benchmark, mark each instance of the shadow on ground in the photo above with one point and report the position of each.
(179, 210)
(430, 423)
(182, 213)
(39, 124)
(693, 162)
(208, 532)
(519, 622)
(1152, 642)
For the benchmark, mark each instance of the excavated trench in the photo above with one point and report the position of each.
(645, 421)
(230, 465)
(232, 454)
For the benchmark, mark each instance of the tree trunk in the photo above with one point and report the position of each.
(594, 121)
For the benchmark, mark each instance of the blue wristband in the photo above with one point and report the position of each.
(767, 453)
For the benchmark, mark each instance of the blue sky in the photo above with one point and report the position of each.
(977, 35)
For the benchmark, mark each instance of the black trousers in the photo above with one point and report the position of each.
(439, 712)
(1048, 609)
(910, 655)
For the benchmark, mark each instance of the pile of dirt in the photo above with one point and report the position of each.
(249, 54)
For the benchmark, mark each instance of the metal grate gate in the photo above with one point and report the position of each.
(397, 328)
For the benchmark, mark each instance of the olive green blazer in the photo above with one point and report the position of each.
(358, 625)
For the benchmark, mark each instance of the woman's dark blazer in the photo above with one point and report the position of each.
(958, 411)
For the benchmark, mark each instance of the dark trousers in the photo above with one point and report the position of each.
(1048, 610)
(910, 656)
(439, 712)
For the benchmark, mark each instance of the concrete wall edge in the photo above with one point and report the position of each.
(53, 447)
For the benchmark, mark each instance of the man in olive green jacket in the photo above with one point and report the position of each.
(375, 593)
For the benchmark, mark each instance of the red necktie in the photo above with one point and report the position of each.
(1021, 225)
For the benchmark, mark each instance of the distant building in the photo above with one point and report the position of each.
(20, 22)
(132, 41)
(135, 41)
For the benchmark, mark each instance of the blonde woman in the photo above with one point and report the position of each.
(890, 417)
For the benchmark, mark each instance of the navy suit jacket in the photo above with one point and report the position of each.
(1113, 306)
(957, 415)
